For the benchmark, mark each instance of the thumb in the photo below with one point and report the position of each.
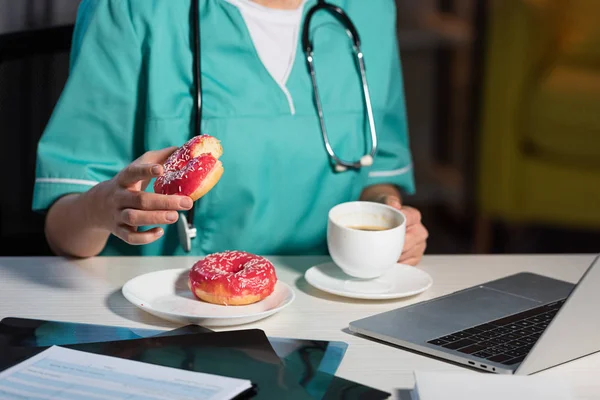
(392, 201)
(156, 156)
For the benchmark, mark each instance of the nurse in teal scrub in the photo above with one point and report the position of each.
(129, 100)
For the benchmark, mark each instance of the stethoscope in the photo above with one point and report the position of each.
(185, 226)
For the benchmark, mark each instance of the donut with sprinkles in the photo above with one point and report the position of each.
(232, 278)
(193, 169)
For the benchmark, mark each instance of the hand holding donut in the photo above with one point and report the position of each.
(121, 206)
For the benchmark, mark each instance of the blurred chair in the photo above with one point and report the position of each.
(540, 137)
(33, 70)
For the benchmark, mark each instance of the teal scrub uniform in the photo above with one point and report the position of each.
(130, 91)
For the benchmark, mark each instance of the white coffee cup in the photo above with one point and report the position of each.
(361, 253)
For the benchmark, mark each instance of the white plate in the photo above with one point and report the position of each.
(166, 295)
(401, 281)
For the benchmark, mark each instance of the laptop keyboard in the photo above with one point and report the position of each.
(506, 340)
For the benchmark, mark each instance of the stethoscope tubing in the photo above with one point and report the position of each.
(186, 223)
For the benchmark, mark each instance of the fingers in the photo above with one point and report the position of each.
(392, 201)
(131, 236)
(153, 201)
(413, 255)
(138, 208)
(146, 167)
(138, 172)
(129, 219)
(415, 244)
(413, 216)
(156, 156)
(135, 218)
(415, 235)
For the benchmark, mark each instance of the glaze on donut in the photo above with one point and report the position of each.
(193, 169)
(232, 278)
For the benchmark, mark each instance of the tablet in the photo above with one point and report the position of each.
(312, 363)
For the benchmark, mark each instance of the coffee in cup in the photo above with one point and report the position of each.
(365, 239)
(368, 228)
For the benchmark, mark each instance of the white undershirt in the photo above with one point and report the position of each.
(275, 36)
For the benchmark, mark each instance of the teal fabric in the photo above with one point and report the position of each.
(130, 91)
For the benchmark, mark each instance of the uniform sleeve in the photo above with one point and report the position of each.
(393, 161)
(92, 132)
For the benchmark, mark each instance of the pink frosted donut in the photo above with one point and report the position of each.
(232, 278)
(193, 169)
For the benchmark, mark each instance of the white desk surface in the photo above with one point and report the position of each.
(88, 291)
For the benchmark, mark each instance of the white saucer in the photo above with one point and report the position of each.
(401, 281)
(166, 295)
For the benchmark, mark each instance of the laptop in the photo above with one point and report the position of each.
(520, 324)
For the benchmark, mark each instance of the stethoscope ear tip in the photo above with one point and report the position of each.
(340, 168)
(366, 161)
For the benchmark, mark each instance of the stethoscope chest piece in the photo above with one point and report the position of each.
(185, 232)
(366, 160)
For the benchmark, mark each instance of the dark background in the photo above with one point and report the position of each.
(468, 64)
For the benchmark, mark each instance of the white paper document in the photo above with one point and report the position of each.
(477, 386)
(65, 374)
